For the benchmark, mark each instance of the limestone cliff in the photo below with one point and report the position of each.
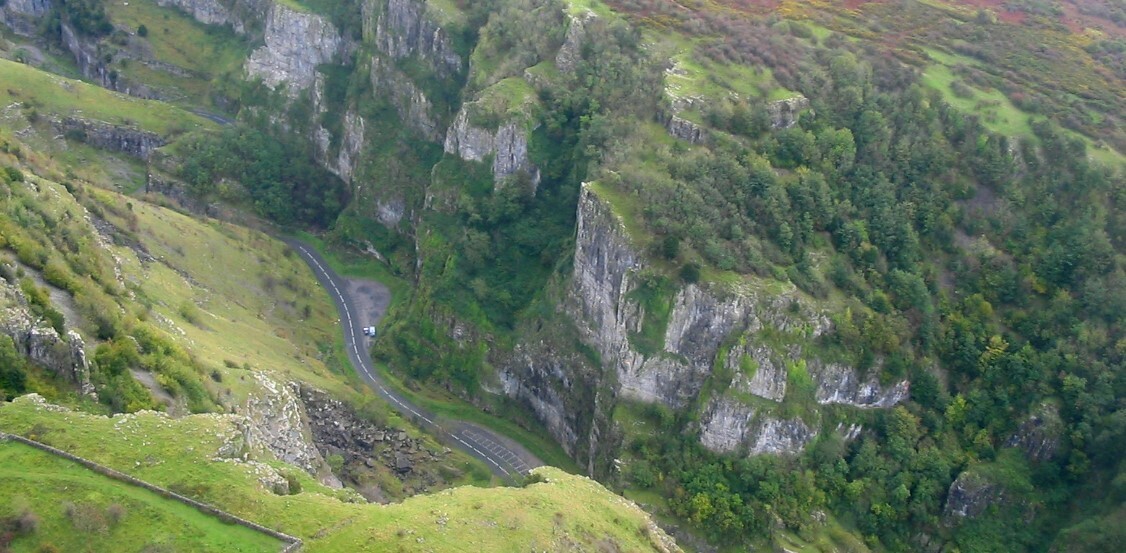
(410, 102)
(405, 28)
(295, 44)
(729, 426)
(22, 15)
(507, 146)
(709, 330)
(970, 495)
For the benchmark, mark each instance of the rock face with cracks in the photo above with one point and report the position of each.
(708, 329)
(296, 43)
(35, 339)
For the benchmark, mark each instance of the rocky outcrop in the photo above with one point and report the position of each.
(571, 50)
(768, 372)
(686, 130)
(275, 419)
(785, 113)
(63, 355)
(838, 383)
(545, 384)
(969, 496)
(403, 29)
(22, 16)
(1039, 434)
(296, 43)
(342, 159)
(508, 145)
(208, 12)
(728, 426)
(115, 138)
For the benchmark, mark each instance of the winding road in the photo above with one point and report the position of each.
(503, 456)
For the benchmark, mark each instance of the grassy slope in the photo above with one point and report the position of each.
(174, 38)
(51, 94)
(43, 483)
(567, 513)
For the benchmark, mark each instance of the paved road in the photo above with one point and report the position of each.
(503, 456)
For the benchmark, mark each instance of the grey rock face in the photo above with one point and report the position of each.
(35, 8)
(729, 426)
(134, 142)
(296, 43)
(686, 130)
(508, 145)
(40, 343)
(337, 429)
(1039, 435)
(769, 377)
(969, 496)
(571, 50)
(541, 385)
(208, 12)
(276, 420)
(599, 300)
(22, 16)
(341, 162)
(404, 29)
(784, 113)
(837, 383)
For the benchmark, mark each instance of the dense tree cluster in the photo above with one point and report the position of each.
(276, 175)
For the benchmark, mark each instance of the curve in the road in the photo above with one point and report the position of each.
(504, 458)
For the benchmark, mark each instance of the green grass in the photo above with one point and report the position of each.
(180, 40)
(566, 511)
(693, 78)
(256, 305)
(50, 94)
(506, 100)
(205, 52)
(998, 114)
(579, 7)
(42, 483)
(624, 206)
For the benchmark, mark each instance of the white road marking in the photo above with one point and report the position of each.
(363, 366)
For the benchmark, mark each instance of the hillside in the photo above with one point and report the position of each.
(227, 348)
(195, 455)
(802, 275)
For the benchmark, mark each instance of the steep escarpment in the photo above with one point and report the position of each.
(296, 43)
(804, 277)
(664, 342)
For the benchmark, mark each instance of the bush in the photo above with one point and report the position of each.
(115, 512)
(690, 273)
(12, 174)
(27, 523)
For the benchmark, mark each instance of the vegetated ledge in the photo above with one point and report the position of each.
(292, 543)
